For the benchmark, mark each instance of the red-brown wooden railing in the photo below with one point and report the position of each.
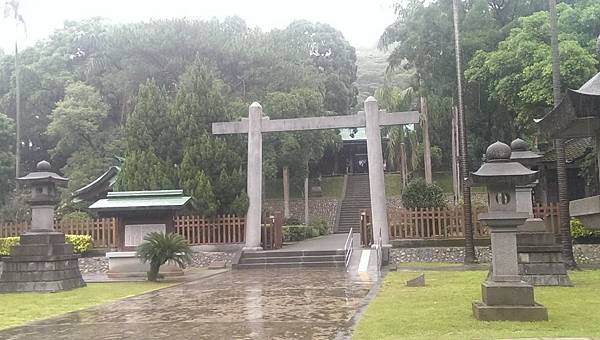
(197, 230)
(272, 231)
(446, 223)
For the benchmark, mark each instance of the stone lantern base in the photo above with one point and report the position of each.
(508, 301)
(42, 262)
(540, 259)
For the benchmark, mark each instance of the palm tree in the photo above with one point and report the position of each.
(11, 10)
(462, 135)
(561, 166)
(159, 248)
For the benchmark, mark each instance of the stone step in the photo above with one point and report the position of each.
(291, 253)
(328, 264)
(295, 259)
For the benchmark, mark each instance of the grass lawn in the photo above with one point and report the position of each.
(442, 309)
(19, 308)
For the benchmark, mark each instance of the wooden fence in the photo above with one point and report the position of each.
(102, 230)
(226, 229)
(448, 223)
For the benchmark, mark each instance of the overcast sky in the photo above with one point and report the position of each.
(360, 23)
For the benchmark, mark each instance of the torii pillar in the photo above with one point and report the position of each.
(372, 119)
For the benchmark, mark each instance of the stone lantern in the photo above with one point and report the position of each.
(540, 258)
(505, 296)
(42, 262)
(523, 196)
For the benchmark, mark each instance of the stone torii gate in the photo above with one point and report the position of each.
(371, 118)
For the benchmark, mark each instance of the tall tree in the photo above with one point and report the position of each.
(561, 163)
(84, 141)
(11, 9)
(462, 132)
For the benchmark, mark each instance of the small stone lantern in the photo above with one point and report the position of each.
(42, 262)
(540, 258)
(523, 197)
(505, 296)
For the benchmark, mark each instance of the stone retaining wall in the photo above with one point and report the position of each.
(584, 254)
(322, 208)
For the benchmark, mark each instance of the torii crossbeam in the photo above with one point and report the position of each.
(371, 118)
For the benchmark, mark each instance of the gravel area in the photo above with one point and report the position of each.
(96, 264)
(584, 254)
(99, 264)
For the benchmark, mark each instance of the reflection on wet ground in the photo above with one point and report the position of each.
(251, 304)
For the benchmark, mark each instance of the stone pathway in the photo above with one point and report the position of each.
(249, 304)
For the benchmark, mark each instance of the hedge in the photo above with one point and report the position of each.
(81, 243)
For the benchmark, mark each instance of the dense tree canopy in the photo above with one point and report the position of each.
(506, 48)
(149, 92)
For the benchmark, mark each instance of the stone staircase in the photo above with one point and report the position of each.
(291, 259)
(357, 197)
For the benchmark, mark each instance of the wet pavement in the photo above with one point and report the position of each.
(245, 304)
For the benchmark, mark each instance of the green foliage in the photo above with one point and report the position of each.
(320, 224)
(81, 243)
(419, 194)
(6, 243)
(150, 126)
(579, 231)
(142, 170)
(7, 157)
(76, 216)
(159, 248)
(294, 233)
(518, 73)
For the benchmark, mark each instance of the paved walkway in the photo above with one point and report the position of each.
(247, 304)
(326, 242)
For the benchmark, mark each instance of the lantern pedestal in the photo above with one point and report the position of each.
(504, 295)
(509, 301)
(42, 262)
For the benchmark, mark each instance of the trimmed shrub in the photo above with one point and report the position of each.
(6, 243)
(321, 225)
(81, 243)
(293, 233)
(418, 194)
(581, 234)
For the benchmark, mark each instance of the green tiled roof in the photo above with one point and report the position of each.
(142, 200)
(574, 149)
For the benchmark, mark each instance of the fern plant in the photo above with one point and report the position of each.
(159, 248)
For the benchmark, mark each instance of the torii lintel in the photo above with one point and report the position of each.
(316, 123)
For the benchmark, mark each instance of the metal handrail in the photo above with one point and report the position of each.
(348, 248)
(379, 247)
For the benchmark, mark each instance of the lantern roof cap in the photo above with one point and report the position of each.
(43, 175)
(498, 151)
(521, 152)
(499, 168)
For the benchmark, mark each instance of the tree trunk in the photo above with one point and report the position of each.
(464, 155)
(561, 166)
(455, 167)
(306, 201)
(403, 165)
(154, 269)
(286, 192)
(426, 144)
(17, 116)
